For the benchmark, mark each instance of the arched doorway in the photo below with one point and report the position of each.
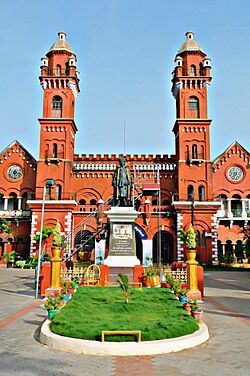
(167, 247)
(138, 247)
(84, 243)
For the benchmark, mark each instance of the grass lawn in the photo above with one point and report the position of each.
(155, 312)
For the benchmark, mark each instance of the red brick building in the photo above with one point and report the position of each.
(170, 191)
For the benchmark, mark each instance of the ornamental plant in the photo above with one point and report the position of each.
(123, 283)
(188, 237)
(195, 306)
(57, 238)
(52, 303)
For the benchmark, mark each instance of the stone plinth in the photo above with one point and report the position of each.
(122, 245)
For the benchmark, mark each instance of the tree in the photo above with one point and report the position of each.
(5, 226)
(46, 232)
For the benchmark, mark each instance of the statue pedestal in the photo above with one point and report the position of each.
(122, 245)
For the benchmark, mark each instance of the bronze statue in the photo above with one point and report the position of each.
(122, 183)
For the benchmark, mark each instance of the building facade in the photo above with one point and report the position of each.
(169, 191)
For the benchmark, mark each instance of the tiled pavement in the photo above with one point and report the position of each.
(227, 314)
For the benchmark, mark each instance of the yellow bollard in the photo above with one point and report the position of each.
(55, 268)
(193, 292)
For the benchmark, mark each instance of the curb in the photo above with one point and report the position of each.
(86, 347)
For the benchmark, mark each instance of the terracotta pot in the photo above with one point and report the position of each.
(152, 281)
(187, 308)
(198, 315)
(52, 313)
(191, 254)
(71, 290)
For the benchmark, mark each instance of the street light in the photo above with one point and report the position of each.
(49, 184)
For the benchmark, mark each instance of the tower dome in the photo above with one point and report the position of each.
(190, 44)
(61, 43)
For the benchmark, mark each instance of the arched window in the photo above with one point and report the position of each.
(54, 151)
(187, 152)
(193, 70)
(201, 69)
(193, 107)
(82, 202)
(56, 111)
(93, 202)
(201, 192)
(190, 193)
(202, 152)
(24, 200)
(58, 70)
(13, 201)
(165, 203)
(203, 239)
(198, 237)
(236, 206)
(194, 151)
(154, 202)
(59, 191)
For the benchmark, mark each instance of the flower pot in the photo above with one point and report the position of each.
(152, 281)
(183, 299)
(9, 264)
(67, 297)
(191, 254)
(56, 252)
(71, 290)
(198, 316)
(52, 313)
(187, 308)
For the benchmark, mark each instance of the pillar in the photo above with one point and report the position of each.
(5, 206)
(55, 268)
(193, 292)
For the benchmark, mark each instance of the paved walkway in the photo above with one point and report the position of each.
(227, 314)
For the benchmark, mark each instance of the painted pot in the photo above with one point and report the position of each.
(152, 281)
(198, 316)
(191, 254)
(187, 308)
(52, 313)
(71, 290)
(183, 299)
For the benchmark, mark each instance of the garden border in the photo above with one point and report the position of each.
(87, 347)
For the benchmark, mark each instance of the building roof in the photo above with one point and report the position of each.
(61, 44)
(190, 44)
(15, 142)
(235, 143)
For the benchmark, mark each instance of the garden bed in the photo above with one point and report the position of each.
(155, 312)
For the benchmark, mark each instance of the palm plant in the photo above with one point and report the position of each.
(123, 282)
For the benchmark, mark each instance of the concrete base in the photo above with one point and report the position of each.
(52, 291)
(86, 347)
(122, 261)
(194, 295)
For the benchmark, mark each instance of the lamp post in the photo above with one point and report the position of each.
(49, 183)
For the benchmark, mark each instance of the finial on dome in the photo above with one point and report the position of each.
(190, 34)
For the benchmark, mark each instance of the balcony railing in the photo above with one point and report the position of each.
(15, 213)
(52, 196)
(50, 155)
(194, 156)
(58, 72)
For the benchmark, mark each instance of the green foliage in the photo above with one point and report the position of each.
(188, 237)
(52, 303)
(20, 264)
(226, 259)
(152, 270)
(9, 257)
(5, 226)
(195, 306)
(57, 237)
(92, 309)
(123, 283)
(46, 232)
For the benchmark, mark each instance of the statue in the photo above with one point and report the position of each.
(122, 183)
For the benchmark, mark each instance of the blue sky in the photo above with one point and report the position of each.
(125, 51)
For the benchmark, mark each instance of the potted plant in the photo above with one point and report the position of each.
(196, 311)
(187, 307)
(152, 277)
(9, 258)
(53, 306)
(183, 297)
(190, 240)
(57, 240)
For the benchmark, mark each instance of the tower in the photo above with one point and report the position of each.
(194, 202)
(191, 79)
(60, 82)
